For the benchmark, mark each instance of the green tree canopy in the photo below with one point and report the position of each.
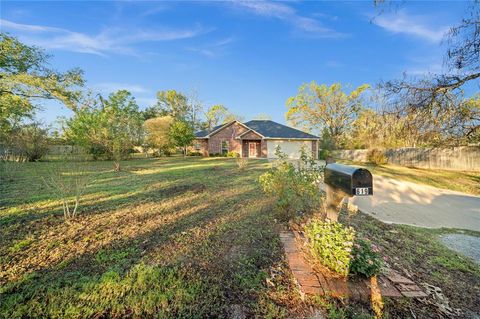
(113, 127)
(215, 115)
(181, 134)
(26, 77)
(318, 107)
(158, 129)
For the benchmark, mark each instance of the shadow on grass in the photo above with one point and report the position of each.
(221, 265)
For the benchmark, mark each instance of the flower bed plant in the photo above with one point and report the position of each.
(331, 243)
(335, 246)
(366, 259)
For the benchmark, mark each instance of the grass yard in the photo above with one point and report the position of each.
(466, 182)
(166, 237)
(174, 237)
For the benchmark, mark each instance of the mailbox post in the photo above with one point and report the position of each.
(345, 181)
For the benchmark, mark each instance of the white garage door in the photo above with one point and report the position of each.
(291, 148)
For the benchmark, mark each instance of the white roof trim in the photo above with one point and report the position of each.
(250, 130)
(226, 124)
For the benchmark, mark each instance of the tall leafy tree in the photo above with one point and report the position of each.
(114, 126)
(181, 134)
(321, 107)
(158, 130)
(215, 115)
(171, 103)
(25, 78)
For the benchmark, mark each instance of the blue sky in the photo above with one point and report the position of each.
(249, 56)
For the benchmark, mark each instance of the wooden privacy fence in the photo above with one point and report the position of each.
(462, 158)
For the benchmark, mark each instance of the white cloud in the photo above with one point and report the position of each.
(213, 49)
(109, 87)
(415, 25)
(110, 40)
(288, 14)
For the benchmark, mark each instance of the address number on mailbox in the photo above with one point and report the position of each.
(361, 191)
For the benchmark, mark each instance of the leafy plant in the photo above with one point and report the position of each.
(366, 259)
(242, 162)
(331, 243)
(296, 188)
(181, 134)
(323, 154)
(112, 126)
(233, 154)
(190, 153)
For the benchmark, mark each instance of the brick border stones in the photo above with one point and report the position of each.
(311, 282)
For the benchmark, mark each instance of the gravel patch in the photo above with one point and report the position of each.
(464, 244)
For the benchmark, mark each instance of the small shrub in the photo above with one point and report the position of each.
(323, 154)
(242, 162)
(366, 259)
(377, 157)
(233, 154)
(68, 180)
(296, 189)
(190, 153)
(217, 155)
(331, 243)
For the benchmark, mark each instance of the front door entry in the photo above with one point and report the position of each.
(252, 149)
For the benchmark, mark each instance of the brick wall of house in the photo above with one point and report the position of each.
(263, 148)
(199, 145)
(315, 149)
(226, 134)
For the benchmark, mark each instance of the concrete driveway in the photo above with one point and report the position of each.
(408, 203)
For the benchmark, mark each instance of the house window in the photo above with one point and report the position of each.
(225, 147)
(197, 146)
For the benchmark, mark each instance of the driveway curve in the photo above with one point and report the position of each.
(402, 202)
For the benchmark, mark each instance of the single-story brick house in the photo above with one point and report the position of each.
(257, 138)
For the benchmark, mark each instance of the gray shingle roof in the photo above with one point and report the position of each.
(276, 130)
(266, 128)
(204, 133)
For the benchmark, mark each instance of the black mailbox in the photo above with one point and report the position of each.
(349, 179)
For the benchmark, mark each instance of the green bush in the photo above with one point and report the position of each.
(217, 155)
(377, 157)
(233, 154)
(366, 259)
(323, 154)
(296, 188)
(331, 243)
(190, 153)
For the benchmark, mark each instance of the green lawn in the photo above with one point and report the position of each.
(163, 238)
(467, 182)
